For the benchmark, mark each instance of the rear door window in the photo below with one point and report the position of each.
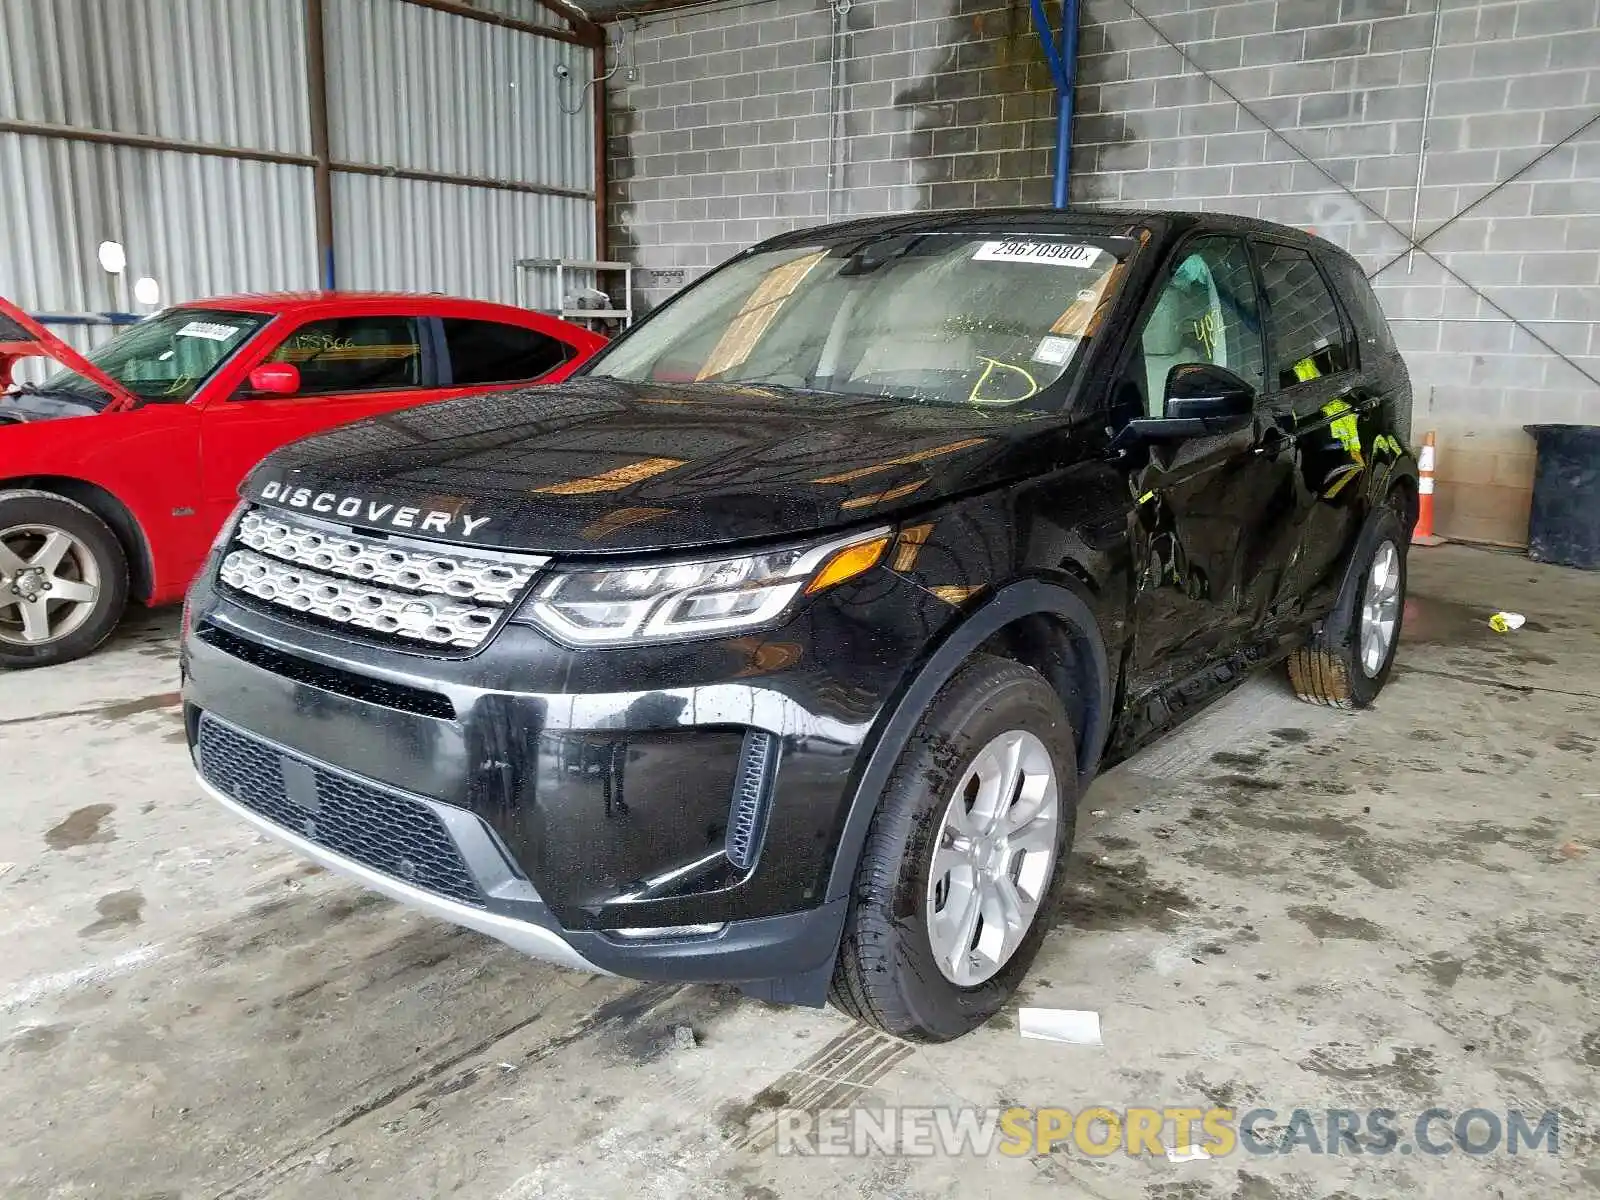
(354, 354)
(491, 352)
(1305, 337)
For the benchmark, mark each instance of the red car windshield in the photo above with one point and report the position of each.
(163, 359)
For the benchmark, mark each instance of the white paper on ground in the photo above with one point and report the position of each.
(1077, 1026)
(1192, 1154)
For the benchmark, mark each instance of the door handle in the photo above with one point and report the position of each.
(1273, 441)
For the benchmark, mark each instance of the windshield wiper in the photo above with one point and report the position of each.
(787, 389)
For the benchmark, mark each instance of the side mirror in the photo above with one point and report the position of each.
(1214, 394)
(275, 379)
(1201, 401)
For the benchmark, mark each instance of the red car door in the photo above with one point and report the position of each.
(348, 367)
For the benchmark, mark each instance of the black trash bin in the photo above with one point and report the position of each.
(1564, 525)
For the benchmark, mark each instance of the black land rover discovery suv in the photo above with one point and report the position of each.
(778, 646)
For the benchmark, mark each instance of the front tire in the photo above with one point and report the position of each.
(1347, 664)
(953, 892)
(63, 579)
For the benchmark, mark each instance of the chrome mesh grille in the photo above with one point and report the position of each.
(412, 569)
(437, 621)
(397, 589)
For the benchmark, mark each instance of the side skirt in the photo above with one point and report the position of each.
(1158, 712)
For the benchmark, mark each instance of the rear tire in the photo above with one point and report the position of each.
(63, 579)
(995, 720)
(1348, 662)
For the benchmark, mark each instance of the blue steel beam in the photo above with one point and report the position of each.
(89, 318)
(1061, 54)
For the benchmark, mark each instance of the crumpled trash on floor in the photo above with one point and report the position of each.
(1079, 1027)
(1505, 622)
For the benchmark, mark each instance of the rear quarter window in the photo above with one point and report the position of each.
(1362, 302)
(485, 352)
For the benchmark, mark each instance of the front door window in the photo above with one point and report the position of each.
(1207, 313)
(354, 354)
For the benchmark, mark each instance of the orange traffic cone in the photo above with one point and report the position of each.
(1423, 534)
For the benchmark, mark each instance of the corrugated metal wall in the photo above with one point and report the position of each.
(461, 240)
(423, 89)
(230, 73)
(198, 225)
(530, 11)
(409, 87)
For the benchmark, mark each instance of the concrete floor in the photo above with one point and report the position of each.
(1278, 907)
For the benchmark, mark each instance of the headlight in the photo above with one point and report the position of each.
(672, 601)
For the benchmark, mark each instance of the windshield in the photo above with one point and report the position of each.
(937, 318)
(165, 358)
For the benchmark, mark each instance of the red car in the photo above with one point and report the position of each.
(117, 472)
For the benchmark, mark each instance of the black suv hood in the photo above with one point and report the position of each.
(593, 465)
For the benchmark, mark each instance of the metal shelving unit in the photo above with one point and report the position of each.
(565, 267)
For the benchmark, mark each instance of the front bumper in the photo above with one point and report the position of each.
(536, 941)
(596, 820)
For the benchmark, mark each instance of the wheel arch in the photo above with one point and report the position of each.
(106, 506)
(1404, 486)
(1047, 625)
(1361, 548)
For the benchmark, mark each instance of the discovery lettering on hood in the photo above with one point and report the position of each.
(370, 512)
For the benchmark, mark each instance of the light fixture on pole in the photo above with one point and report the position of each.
(113, 258)
(114, 261)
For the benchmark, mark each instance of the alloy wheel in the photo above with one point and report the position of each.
(1380, 609)
(993, 858)
(49, 584)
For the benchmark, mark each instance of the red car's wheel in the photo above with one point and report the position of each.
(63, 579)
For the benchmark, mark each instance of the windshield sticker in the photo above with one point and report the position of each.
(1057, 351)
(1058, 254)
(206, 329)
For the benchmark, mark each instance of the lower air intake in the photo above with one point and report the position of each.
(388, 832)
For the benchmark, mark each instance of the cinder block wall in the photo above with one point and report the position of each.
(723, 137)
(1309, 112)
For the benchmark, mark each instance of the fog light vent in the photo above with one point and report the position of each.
(747, 816)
